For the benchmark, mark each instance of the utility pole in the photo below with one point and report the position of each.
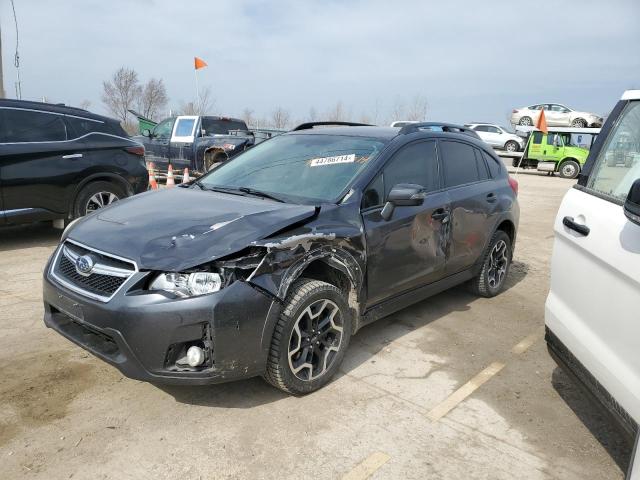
(1, 77)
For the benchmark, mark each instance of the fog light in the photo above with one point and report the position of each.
(195, 356)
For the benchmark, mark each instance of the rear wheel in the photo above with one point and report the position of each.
(495, 268)
(511, 146)
(579, 123)
(214, 160)
(310, 338)
(526, 121)
(95, 196)
(569, 169)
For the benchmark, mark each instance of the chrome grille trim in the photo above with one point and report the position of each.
(99, 269)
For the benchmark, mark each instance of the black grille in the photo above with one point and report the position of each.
(104, 285)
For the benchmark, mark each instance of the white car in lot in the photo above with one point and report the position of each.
(557, 115)
(591, 314)
(498, 137)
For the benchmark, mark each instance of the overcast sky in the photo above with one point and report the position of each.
(471, 60)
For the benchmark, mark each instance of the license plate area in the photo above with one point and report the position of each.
(69, 307)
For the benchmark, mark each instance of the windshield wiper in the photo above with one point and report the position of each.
(260, 193)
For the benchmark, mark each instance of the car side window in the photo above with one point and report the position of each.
(414, 163)
(459, 163)
(483, 174)
(481, 128)
(493, 130)
(163, 129)
(23, 126)
(537, 137)
(374, 193)
(494, 167)
(618, 163)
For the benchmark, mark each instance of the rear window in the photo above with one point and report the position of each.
(618, 162)
(22, 126)
(494, 167)
(221, 126)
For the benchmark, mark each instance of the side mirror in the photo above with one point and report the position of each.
(632, 204)
(402, 195)
(146, 133)
(556, 141)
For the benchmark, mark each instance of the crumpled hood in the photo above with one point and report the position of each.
(179, 228)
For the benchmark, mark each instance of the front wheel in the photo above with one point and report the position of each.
(310, 338)
(579, 123)
(569, 169)
(495, 268)
(95, 196)
(511, 146)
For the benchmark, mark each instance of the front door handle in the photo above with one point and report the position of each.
(73, 155)
(570, 223)
(440, 214)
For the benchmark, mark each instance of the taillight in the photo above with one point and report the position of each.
(513, 183)
(515, 111)
(135, 150)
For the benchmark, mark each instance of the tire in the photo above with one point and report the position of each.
(490, 281)
(88, 200)
(569, 169)
(288, 366)
(511, 146)
(215, 161)
(526, 121)
(579, 123)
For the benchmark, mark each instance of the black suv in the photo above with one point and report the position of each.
(285, 252)
(59, 162)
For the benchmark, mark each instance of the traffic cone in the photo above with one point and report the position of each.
(185, 176)
(170, 181)
(153, 184)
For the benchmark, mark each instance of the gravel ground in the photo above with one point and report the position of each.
(66, 414)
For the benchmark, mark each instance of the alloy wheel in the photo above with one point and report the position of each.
(498, 263)
(99, 200)
(315, 340)
(568, 170)
(526, 121)
(512, 147)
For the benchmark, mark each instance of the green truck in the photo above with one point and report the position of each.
(553, 152)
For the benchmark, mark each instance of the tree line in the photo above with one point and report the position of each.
(124, 91)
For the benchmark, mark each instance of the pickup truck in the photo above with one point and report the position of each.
(199, 143)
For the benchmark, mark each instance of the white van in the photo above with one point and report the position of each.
(592, 313)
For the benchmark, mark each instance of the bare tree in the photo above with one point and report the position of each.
(247, 116)
(153, 98)
(417, 108)
(398, 111)
(85, 104)
(121, 93)
(337, 113)
(202, 106)
(313, 114)
(280, 118)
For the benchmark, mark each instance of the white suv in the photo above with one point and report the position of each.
(497, 136)
(592, 313)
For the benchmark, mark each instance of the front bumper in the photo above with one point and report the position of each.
(139, 332)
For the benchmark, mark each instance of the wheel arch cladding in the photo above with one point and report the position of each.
(509, 228)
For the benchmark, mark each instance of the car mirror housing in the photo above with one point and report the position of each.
(402, 195)
(146, 132)
(632, 203)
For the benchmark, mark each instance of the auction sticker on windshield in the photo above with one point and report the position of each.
(317, 162)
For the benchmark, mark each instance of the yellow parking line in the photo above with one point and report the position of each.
(464, 391)
(367, 467)
(526, 342)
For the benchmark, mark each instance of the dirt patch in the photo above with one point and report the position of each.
(37, 389)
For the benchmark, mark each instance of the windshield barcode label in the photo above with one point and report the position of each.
(317, 162)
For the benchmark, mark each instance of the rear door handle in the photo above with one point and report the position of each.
(576, 227)
(73, 155)
(440, 214)
(491, 197)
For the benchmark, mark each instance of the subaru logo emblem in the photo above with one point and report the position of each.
(84, 264)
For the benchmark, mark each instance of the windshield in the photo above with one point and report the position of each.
(301, 167)
(221, 126)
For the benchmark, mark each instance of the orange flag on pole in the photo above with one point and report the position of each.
(199, 63)
(541, 124)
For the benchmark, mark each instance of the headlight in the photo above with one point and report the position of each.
(188, 284)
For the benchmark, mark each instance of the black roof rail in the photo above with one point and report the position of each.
(309, 125)
(445, 127)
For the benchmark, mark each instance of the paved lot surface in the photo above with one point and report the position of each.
(392, 412)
